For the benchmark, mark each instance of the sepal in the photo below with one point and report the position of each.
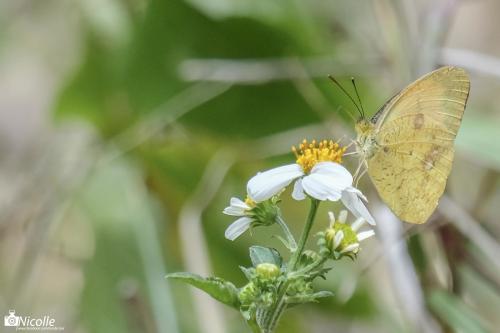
(261, 254)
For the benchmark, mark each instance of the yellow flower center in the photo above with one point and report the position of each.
(308, 154)
(250, 202)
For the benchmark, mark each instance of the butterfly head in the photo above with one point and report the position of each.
(363, 126)
(365, 142)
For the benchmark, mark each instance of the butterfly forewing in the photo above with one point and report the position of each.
(415, 133)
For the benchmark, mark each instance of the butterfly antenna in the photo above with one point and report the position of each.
(347, 94)
(357, 94)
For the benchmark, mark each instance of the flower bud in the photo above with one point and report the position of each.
(342, 238)
(248, 293)
(267, 271)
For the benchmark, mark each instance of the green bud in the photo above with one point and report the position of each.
(267, 271)
(299, 287)
(347, 238)
(248, 294)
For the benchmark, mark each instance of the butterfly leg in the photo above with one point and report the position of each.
(360, 176)
(365, 164)
(358, 169)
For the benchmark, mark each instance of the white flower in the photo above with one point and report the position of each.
(344, 238)
(325, 181)
(317, 172)
(239, 208)
(251, 214)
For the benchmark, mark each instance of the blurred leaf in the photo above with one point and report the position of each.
(454, 313)
(221, 290)
(261, 254)
(124, 278)
(417, 253)
(478, 137)
(116, 86)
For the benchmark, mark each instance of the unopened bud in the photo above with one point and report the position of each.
(267, 270)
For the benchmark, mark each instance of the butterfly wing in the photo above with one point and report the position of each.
(415, 132)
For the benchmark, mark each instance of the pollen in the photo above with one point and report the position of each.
(308, 154)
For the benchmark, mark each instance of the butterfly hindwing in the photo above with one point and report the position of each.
(415, 133)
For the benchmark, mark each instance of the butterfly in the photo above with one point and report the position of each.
(407, 146)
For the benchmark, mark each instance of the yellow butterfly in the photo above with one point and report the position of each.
(407, 147)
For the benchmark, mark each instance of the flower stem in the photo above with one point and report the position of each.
(287, 232)
(305, 235)
(280, 305)
(312, 266)
(253, 325)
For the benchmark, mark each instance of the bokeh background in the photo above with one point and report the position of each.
(126, 126)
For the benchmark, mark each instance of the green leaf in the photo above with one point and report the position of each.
(298, 299)
(455, 313)
(261, 254)
(223, 291)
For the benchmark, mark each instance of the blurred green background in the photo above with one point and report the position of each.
(126, 126)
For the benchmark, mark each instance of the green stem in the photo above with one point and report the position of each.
(280, 305)
(305, 235)
(253, 326)
(317, 263)
(287, 232)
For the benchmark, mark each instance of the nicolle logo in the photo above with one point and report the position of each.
(11, 319)
(29, 323)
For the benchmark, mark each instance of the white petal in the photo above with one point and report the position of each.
(321, 187)
(365, 234)
(234, 211)
(343, 216)
(331, 216)
(268, 183)
(298, 190)
(350, 248)
(237, 208)
(358, 223)
(342, 176)
(236, 202)
(339, 236)
(358, 192)
(237, 228)
(350, 199)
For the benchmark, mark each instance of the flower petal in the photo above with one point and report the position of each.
(298, 190)
(350, 248)
(342, 176)
(365, 234)
(236, 202)
(268, 183)
(236, 208)
(331, 216)
(358, 223)
(238, 227)
(350, 199)
(343, 216)
(321, 187)
(339, 236)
